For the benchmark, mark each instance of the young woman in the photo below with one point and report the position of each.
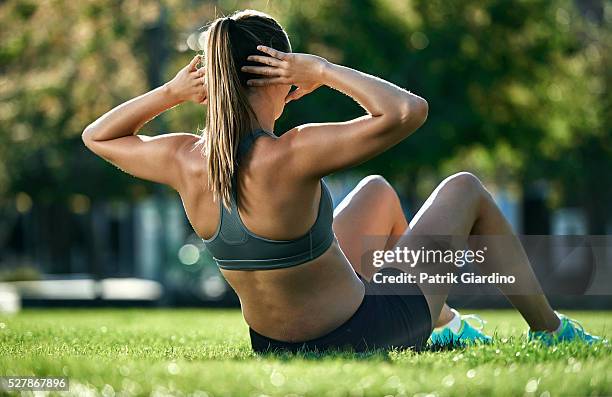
(258, 201)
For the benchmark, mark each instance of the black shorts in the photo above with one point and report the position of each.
(385, 319)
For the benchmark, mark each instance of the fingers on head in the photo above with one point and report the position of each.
(194, 61)
(265, 60)
(263, 70)
(266, 81)
(272, 52)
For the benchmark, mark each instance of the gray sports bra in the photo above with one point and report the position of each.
(234, 247)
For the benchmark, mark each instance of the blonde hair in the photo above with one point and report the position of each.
(228, 42)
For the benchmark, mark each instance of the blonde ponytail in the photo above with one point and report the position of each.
(229, 112)
(230, 115)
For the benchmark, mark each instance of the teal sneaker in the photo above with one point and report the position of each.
(571, 330)
(467, 334)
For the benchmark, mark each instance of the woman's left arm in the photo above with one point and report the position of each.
(113, 135)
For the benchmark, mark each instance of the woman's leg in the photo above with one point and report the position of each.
(372, 209)
(461, 206)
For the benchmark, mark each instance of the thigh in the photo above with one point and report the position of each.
(450, 211)
(371, 211)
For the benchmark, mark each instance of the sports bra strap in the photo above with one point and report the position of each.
(245, 143)
(243, 148)
(234, 247)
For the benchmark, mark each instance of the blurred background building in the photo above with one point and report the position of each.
(518, 93)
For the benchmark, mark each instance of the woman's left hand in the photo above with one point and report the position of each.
(305, 71)
(189, 84)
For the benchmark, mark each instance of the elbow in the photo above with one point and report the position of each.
(87, 136)
(414, 111)
(423, 111)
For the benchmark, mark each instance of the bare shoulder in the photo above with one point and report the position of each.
(290, 151)
(278, 154)
(190, 146)
(190, 156)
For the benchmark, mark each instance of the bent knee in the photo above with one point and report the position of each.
(464, 179)
(379, 188)
(465, 184)
(375, 182)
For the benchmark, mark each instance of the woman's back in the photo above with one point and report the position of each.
(272, 208)
(235, 247)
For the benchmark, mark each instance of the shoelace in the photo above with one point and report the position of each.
(577, 326)
(474, 317)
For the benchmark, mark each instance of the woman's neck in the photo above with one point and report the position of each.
(264, 111)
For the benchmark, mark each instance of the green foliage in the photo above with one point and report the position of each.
(516, 91)
(177, 352)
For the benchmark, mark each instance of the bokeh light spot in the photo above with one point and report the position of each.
(23, 202)
(189, 254)
(419, 40)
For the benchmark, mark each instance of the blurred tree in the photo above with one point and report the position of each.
(516, 92)
(581, 169)
(63, 64)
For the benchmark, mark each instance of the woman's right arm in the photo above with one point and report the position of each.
(318, 149)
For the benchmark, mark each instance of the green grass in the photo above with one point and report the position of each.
(206, 352)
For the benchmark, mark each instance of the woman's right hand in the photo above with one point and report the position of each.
(305, 71)
(189, 84)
